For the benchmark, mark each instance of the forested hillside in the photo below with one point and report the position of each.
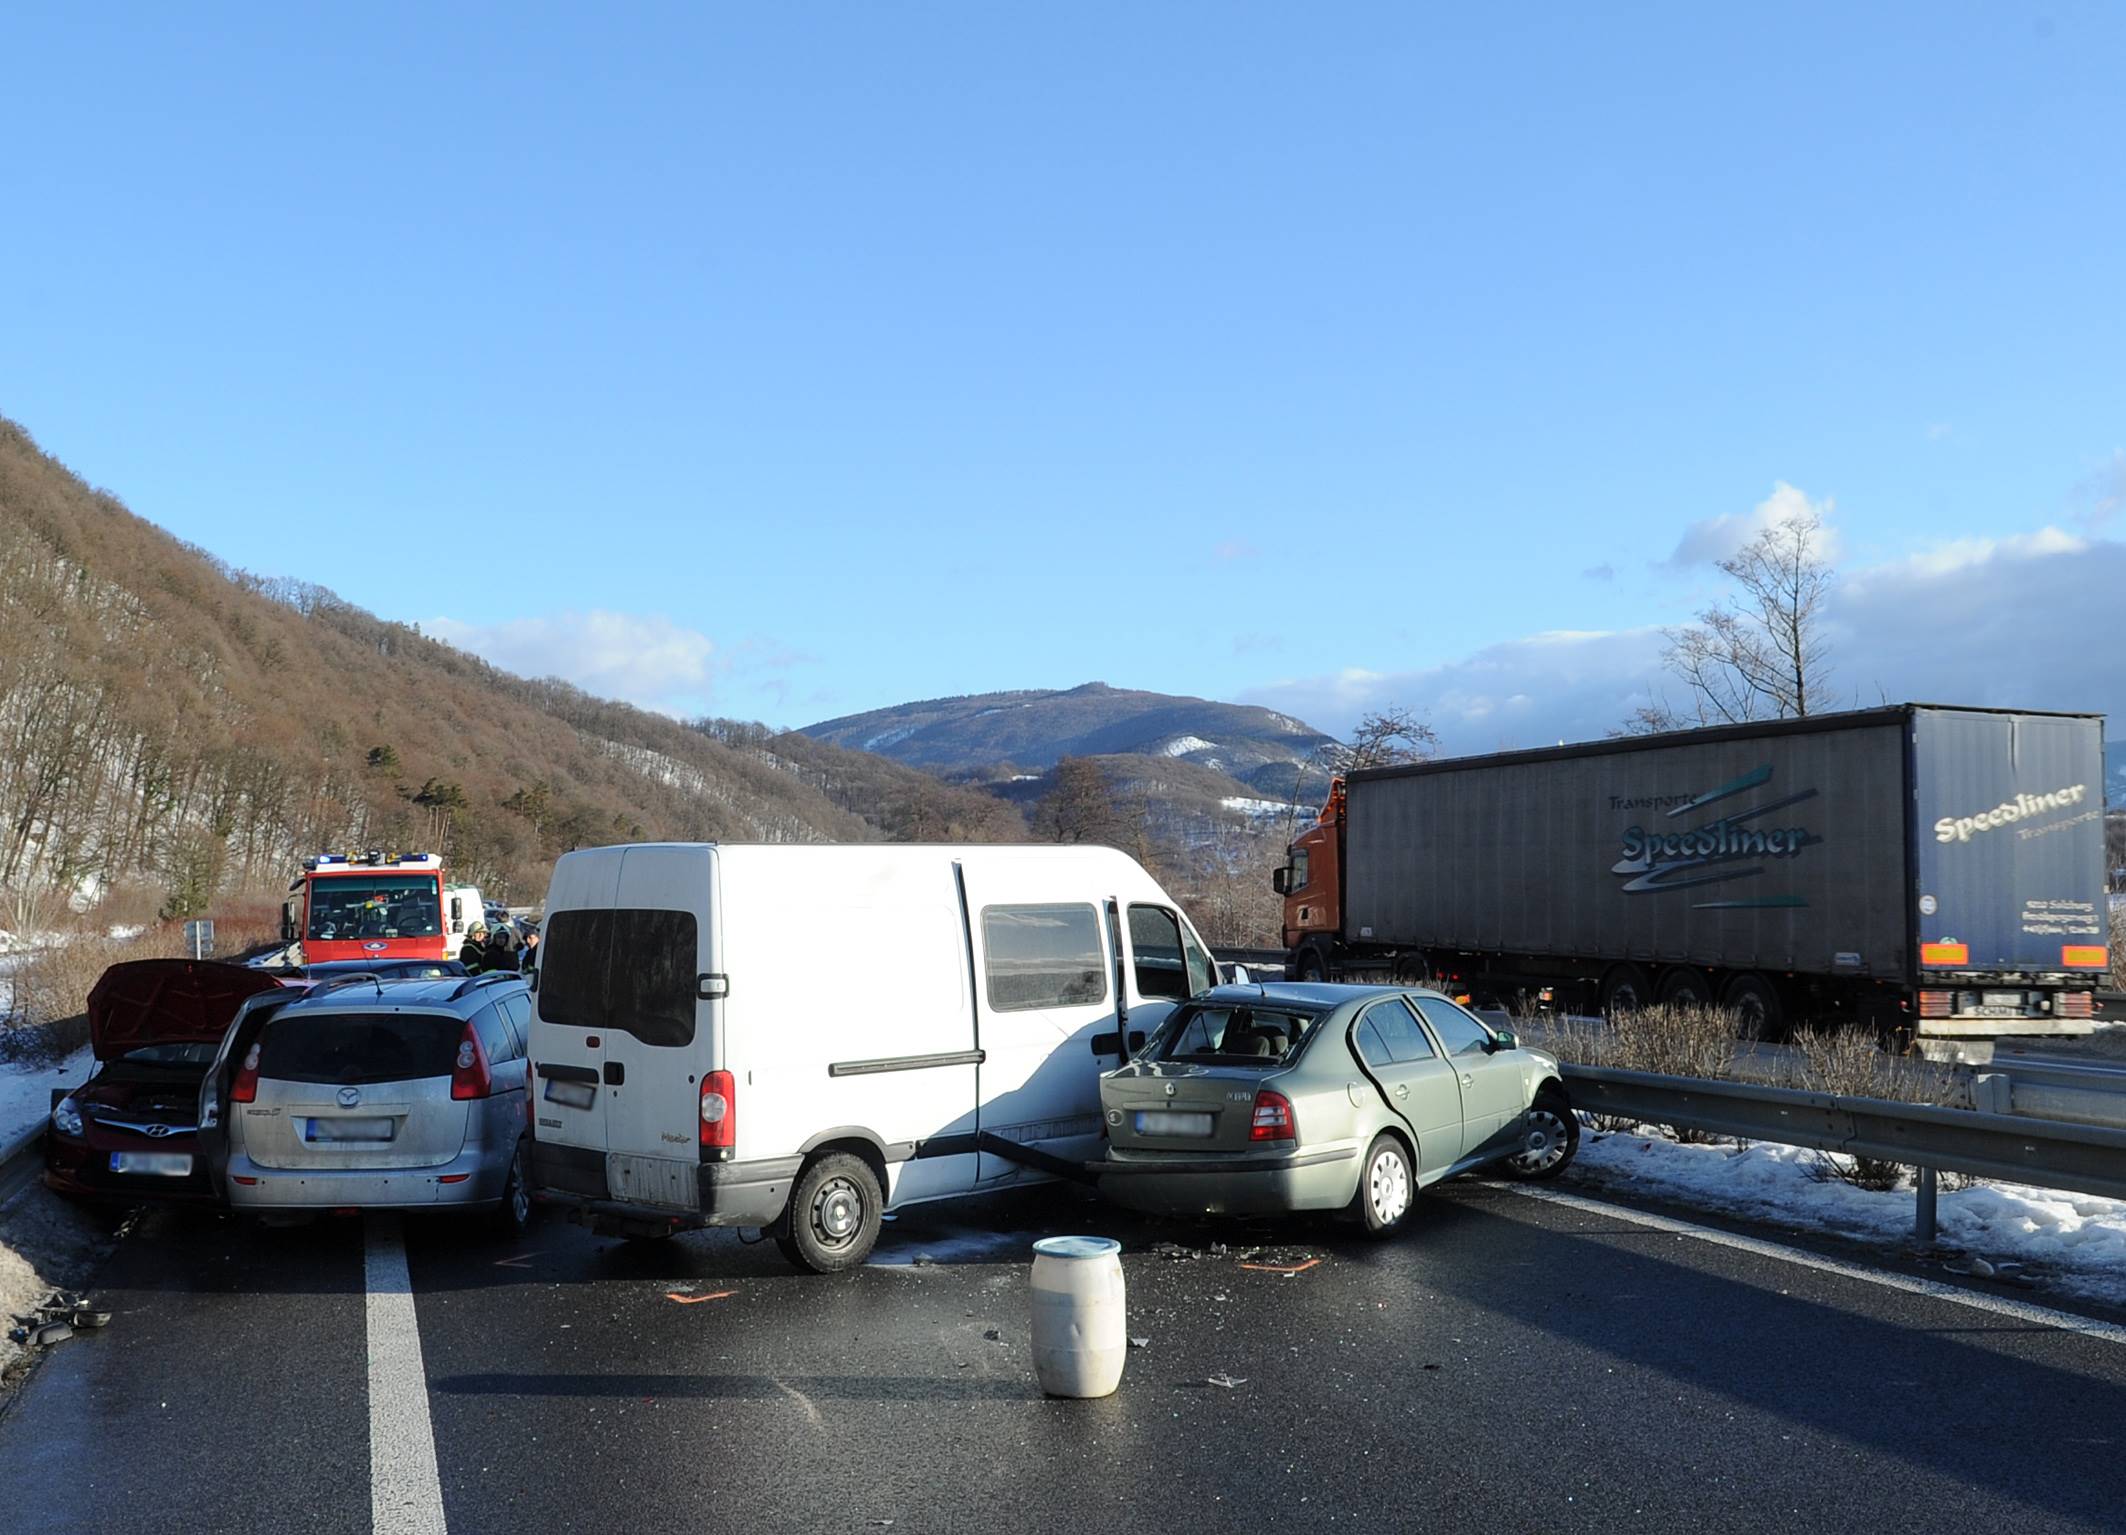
(170, 723)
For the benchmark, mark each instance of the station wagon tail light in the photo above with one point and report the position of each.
(469, 1076)
(719, 1111)
(1273, 1118)
(245, 1088)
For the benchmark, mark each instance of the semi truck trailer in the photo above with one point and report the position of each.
(1930, 869)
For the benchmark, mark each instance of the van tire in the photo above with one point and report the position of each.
(833, 1219)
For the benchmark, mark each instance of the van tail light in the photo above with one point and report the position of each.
(719, 1111)
(1273, 1118)
(245, 1088)
(1935, 1004)
(2075, 1004)
(469, 1076)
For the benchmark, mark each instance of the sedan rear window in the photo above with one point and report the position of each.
(346, 1049)
(1231, 1035)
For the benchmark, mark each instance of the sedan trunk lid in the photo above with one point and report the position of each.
(1181, 1106)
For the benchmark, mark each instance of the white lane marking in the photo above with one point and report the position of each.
(405, 1494)
(1999, 1305)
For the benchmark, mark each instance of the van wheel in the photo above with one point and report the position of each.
(834, 1214)
(1386, 1186)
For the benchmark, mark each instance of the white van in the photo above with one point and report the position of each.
(798, 1038)
(462, 908)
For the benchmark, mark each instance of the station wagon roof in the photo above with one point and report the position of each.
(389, 994)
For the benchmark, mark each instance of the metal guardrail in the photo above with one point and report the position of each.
(2050, 1154)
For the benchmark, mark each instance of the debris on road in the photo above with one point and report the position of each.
(1225, 1381)
(695, 1300)
(1286, 1269)
(1140, 1343)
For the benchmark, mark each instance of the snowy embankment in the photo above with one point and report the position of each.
(26, 1092)
(2074, 1244)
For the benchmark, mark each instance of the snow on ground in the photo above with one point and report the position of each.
(1181, 746)
(2074, 1243)
(26, 1090)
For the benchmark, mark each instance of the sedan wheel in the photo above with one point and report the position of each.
(1385, 1187)
(1551, 1139)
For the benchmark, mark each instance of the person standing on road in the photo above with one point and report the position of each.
(528, 958)
(501, 950)
(474, 954)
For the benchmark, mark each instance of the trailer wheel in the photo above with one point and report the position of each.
(1624, 990)
(1311, 965)
(1685, 987)
(1755, 1004)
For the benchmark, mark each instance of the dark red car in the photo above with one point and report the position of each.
(129, 1132)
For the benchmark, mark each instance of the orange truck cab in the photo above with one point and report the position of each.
(1311, 883)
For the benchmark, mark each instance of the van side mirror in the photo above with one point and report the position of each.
(457, 909)
(1280, 878)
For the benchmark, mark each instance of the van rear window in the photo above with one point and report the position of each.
(347, 1049)
(628, 969)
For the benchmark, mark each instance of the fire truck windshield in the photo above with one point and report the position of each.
(375, 906)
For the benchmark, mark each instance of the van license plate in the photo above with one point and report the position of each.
(571, 1095)
(159, 1164)
(1169, 1122)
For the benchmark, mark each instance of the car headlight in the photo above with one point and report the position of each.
(66, 1117)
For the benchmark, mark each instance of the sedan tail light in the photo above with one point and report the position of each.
(1273, 1119)
(469, 1076)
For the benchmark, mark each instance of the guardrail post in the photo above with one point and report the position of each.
(1923, 1227)
(1992, 1092)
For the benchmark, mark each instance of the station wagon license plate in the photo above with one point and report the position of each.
(159, 1164)
(366, 1127)
(1172, 1122)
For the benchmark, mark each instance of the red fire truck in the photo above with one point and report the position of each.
(369, 906)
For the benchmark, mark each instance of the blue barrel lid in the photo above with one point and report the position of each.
(1077, 1247)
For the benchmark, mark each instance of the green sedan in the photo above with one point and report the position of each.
(1266, 1099)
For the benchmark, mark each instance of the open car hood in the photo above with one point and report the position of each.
(168, 1002)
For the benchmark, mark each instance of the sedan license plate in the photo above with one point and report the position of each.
(1172, 1122)
(159, 1164)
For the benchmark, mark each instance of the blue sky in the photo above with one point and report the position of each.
(786, 363)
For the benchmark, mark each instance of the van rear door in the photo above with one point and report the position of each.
(661, 1023)
(568, 1033)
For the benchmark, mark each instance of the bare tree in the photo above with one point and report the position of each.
(1760, 653)
(1388, 738)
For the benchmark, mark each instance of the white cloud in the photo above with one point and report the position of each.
(1713, 539)
(1959, 553)
(645, 659)
(2029, 621)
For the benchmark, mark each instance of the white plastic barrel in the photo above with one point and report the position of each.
(1080, 1322)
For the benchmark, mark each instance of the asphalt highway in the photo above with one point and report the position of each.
(1510, 1364)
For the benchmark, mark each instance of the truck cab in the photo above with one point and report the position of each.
(1311, 882)
(344, 906)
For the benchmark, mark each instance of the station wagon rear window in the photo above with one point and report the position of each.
(1043, 956)
(626, 969)
(347, 1049)
(1227, 1034)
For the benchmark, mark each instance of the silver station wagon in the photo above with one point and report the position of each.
(1267, 1099)
(371, 1093)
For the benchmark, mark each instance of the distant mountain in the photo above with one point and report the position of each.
(1261, 751)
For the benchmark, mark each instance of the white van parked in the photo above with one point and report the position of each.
(798, 1038)
(462, 909)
